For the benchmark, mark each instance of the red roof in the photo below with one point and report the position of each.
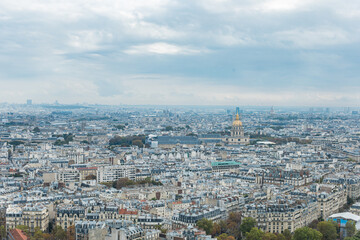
(125, 211)
(17, 234)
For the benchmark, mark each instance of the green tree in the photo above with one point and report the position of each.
(224, 236)
(120, 127)
(38, 235)
(313, 224)
(169, 128)
(216, 230)
(48, 236)
(254, 234)
(233, 224)
(122, 182)
(287, 234)
(138, 143)
(36, 130)
(355, 237)
(280, 236)
(328, 230)
(306, 233)
(350, 228)
(2, 232)
(59, 233)
(205, 224)
(223, 226)
(247, 225)
(349, 201)
(269, 236)
(24, 228)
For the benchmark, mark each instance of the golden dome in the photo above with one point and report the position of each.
(237, 121)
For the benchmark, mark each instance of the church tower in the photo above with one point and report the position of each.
(237, 129)
(237, 136)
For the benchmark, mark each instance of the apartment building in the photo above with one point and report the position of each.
(36, 216)
(276, 217)
(331, 200)
(191, 215)
(13, 216)
(68, 215)
(68, 175)
(85, 172)
(90, 230)
(113, 173)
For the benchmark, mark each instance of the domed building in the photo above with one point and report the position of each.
(237, 136)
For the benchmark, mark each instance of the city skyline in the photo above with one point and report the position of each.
(258, 53)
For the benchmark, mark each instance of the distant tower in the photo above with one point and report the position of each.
(29, 102)
(272, 110)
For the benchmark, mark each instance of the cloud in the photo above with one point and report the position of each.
(195, 52)
(310, 38)
(163, 48)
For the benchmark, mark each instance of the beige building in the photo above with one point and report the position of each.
(13, 217)
(68, 215)
(36, 216)
(277, 217)
(331, 199)
(87, 172)
(49, 177)
(68, 175)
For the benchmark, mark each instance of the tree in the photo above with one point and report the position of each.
(59, 233)
(247, 225)
(287, 234)
(122, 182)
(307, 233)
(25, 229)
(233, 224)
(355, 237)
(224, 236)
(328, 230)
(2, 232)
(350, 228)
(70, 233)
(223, 226)
(313, 224)
(280, 236)
(36, 130)
(269, 236)
(349, 201)
(38, 234)
(120, 127)
(254, 234)
(168, 128)
(216, 230)
(206, 225)
(90, 177)
(138, 143)
(47, 236)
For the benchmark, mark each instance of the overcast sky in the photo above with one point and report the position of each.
(211, 52)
